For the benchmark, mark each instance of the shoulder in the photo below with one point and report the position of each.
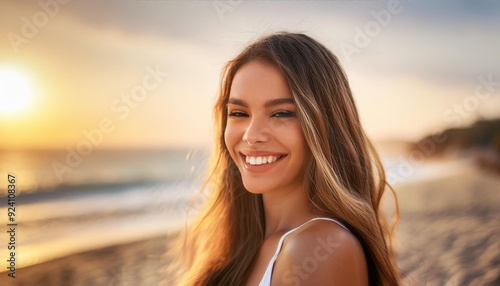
(321, 253)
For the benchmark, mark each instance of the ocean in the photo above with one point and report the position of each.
(66, 204)
(105, 198)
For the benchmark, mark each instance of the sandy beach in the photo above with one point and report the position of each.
(449, 231)
(448, 234)
(136, 263)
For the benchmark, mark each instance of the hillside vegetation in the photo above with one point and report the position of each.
(480, 141)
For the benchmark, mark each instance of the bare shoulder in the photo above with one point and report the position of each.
(321, 253)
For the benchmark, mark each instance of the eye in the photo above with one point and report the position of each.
(236, 114)
(284, 114)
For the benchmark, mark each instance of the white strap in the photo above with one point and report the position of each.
(290, 231)
(266, 280)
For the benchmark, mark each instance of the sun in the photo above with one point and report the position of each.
(16, 91)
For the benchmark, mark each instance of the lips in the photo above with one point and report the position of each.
(261, 161)
(261, 153)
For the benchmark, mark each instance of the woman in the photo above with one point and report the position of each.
(295, 183)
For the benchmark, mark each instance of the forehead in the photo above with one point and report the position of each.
(259, 82)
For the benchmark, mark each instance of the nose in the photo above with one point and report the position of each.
(256, 132)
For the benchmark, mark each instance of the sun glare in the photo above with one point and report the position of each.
(15, 91)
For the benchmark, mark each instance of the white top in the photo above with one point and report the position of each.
(266, 280)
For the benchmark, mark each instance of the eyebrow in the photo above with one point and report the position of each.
(273, 102)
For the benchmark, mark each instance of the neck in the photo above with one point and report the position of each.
(285, 209)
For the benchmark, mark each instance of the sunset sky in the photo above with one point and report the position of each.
(67, 68)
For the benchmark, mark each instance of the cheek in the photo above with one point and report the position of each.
(300, 144)
(292, 134)
(230, 138)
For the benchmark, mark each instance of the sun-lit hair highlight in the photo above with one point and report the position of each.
(345, 178)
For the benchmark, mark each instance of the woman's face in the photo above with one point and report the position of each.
(263, 133)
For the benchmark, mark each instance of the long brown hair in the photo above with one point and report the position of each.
(345, 177)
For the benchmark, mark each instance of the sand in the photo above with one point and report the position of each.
(136, 263)
(449, 234)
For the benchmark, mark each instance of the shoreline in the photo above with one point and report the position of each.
(448, 234)
(131, 263)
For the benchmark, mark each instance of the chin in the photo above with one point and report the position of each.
(256, 188)
(255, 191)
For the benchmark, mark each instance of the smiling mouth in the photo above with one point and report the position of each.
(262, 160)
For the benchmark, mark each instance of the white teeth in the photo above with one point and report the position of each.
(260, 160)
